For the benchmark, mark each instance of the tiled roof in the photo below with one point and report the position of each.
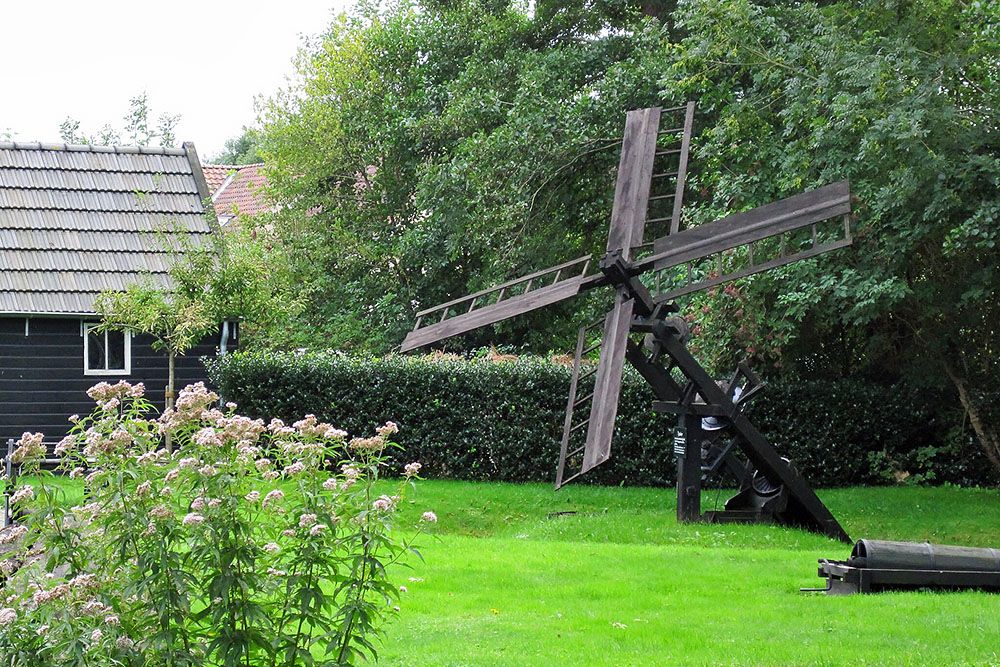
(76, 220)
(242, 193)
(216, 174)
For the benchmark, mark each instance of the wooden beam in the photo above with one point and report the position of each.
(496, 312)
(675, 217)
(805, 508)
(558, 268)
(635, 172)
(754, 225)
(750, 270)
(607, 385)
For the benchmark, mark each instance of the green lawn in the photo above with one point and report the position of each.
(505, 582)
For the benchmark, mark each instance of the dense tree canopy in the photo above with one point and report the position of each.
(433, 148)
(242, 149)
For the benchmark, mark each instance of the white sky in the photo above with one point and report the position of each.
(203, 60)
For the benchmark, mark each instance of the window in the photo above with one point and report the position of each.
(106, 352)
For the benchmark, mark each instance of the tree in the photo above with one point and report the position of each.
(900, 97)
(139, 129)
(432, 150)
(244, 149)
(238, 277)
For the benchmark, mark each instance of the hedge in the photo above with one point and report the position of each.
(500, 420)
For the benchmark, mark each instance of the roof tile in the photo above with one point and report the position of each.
(76, 220)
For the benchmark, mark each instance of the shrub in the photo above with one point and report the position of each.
(481, 419)
(242, 547)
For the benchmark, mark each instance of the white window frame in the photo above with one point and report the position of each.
(87, 370)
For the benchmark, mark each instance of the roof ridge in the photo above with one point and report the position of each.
(91, 148)
(237, 167)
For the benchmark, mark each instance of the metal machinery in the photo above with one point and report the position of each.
(876, 565)
(642, 326)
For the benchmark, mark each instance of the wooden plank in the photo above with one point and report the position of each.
(658, 378)
(750, 270)
(581, 340)
(607, 385)
(754, 225)
(496, 312)
(675, 217)
(510, 283)
(635, 172)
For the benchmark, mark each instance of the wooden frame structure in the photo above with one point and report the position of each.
(642, 326)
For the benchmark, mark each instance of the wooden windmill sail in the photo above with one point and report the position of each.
(648, 201)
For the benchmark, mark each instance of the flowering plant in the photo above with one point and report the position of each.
(250, 544)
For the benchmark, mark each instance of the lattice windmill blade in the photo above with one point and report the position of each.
(643, 194)
(603, 400)
(644, 145)
(501, 302)
(780, 219)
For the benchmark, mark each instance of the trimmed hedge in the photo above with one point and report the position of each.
(501, 420)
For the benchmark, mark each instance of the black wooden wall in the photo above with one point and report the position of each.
(42, 381)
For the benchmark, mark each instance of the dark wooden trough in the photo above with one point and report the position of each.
(877, 565)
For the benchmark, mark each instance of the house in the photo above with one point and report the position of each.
(76, 220)
(237, 191)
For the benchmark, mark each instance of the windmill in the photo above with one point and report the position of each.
(643, 327)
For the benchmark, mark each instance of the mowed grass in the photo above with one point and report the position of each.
(518, 574)
(508, 580)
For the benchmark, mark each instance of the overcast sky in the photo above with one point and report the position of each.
(205, 60)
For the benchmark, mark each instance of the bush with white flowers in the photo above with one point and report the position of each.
(250, 544)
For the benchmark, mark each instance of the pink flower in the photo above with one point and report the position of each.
(272, 547)
(273, 497)
(161, 512)
(330, 484)
(193, 519)
(188, 462)
(7, 616)
(317, 529)
(384, 503)
(253, 496)
(28, 447)
(198, 504)
(23, 493)
(307, 520)
(144, 488)
(390, 428)
(411, 469)
(65, 446)
(429, 517)
(96, 635)
(294, 469)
